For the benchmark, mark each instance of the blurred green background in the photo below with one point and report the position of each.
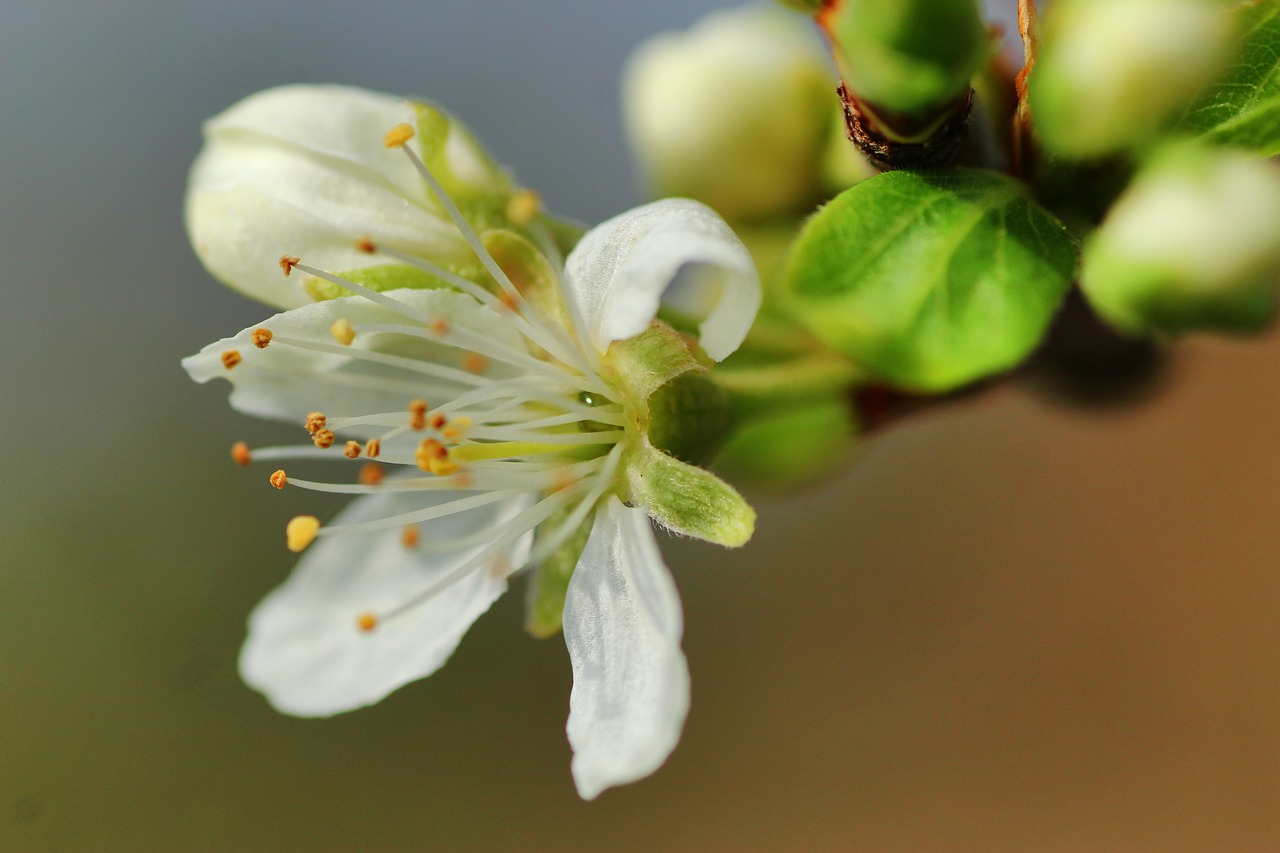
(1010, 626)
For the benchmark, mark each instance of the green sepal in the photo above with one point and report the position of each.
(530, 272)
(648, 361)
(792, 447)
(931, 281)
(383, 278)
(1243, 107)
(686, 499)
(435, 130)
(549, 583)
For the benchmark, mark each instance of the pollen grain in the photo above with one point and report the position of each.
(418, 415)
(316, 422)
(300, 532)
(371, 474)
(343, 332)
(398, 136)
(523, 206)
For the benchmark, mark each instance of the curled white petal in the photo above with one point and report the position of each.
(620, 271)
(622, 624)
(303, 170)
(305, 651)
(286, 382)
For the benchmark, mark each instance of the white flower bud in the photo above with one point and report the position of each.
(1110, 72)
(1194, 243)
(734, 112)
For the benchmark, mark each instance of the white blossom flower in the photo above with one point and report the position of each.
(523, 423)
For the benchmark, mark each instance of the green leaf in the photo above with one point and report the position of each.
(1243, 108)
(930, 281)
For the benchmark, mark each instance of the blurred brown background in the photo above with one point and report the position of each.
(1011, 626)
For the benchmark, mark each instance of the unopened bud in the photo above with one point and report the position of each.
(1109, 73)
(908, 60)
(1193, 244)
(734, 112)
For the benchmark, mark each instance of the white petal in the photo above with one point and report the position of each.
(305, 651)
(303, 170)
(286, 382)
(619, 272)
(622, 624)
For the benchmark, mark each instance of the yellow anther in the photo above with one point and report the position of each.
(260, 337)
(457, 428)
(429, 451)
(324, 439)
(523, 206)
(418, 415)
(288, 262)
(474, 362)
(351, 450)
(366, 245)
(508, 300)
(410, 536)
(437, 421)
(373, 448)
(300, 532)
(315, 422)
(366, 622)
(398, 135)
(230, 358)
(278, 479)
(343, 332)
(439, 325)
(442, 467)
(371, 474)
(240, 453)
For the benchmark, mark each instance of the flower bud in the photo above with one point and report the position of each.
(1109, 73)
(906, 58)
(734, 112)
(1193, 244)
